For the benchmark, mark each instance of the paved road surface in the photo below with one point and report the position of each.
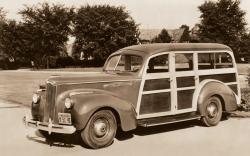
(231, 137)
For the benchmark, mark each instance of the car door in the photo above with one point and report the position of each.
(185, 80)
(156, 96)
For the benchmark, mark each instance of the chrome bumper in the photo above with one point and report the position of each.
(50, 127)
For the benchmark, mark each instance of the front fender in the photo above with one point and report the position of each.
(217, 88)
(87, 103)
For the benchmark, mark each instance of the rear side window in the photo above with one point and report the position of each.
(223, 60)
(206, 60)
(158, 64)
(183, 62)
(214, 61)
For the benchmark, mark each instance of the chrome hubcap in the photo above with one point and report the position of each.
(212, 110)
(100, 128)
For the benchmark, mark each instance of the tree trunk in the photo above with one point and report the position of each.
(47, 62)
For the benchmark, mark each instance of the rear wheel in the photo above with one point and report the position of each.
(100, 130)
(213, 111)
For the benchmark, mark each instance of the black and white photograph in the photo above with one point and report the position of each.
(124, 77)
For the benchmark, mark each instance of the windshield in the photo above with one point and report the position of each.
(124, 63)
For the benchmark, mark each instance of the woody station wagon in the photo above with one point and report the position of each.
(142, 85)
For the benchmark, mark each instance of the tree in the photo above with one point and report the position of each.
(2, 14)
(12, 45)
(102, 29)
(245, 47)
(9, 45)
(10, 39)
(2, 23)
(163, 37)
(185, 37)
(46, 29)
(223, 21)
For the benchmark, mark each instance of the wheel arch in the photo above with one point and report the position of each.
(114, 111)
(221, 100)
(210, 87)
(86, 105)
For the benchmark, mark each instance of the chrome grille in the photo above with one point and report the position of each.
(50, 101)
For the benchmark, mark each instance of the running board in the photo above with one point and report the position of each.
(167, 119)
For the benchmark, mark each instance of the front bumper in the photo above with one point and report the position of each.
(49, 127)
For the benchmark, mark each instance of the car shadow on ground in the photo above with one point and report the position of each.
(58, 140)
(143, 131)
(70, 141)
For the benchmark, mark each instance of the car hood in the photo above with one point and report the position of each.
(94, 77)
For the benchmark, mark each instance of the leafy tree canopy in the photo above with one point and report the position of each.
(163, 37)
(10, 43)
(2, 23)
(2, 14)
(222, 21)
(102, 29)
(245, 47)
(46, 29)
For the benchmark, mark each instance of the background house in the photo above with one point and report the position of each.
(146, 35)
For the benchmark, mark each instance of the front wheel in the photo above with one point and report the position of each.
(213, 111)
(100, 129)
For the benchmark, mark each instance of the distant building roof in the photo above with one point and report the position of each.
(149, 34)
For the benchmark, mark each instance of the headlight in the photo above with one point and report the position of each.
(35, 98)
(68, 103)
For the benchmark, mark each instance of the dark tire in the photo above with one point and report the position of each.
(213, 111)
(100, 129)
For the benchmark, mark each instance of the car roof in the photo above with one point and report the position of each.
(150, 49)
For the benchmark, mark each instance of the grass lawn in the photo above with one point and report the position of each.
(243, 69)
(18, 86)
(99, 69)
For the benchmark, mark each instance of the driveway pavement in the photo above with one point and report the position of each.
(229, 138)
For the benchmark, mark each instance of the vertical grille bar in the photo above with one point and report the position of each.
(50, 102)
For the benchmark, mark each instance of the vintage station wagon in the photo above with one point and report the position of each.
(142, 85)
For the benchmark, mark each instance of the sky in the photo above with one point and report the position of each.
(150, 14)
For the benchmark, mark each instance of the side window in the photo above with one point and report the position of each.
(214, 61)
(158, 64)
(183, 62)
(206, 61)
(130, 63)
(223, 60)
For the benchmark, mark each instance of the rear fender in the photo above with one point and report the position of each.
(210, 88)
